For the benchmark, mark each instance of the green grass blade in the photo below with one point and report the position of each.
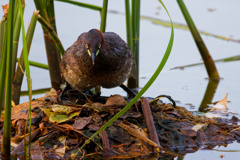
(147, 85)
(104, 16)
(85, 5)
(8, 96)
(3, 67)
(29, 81)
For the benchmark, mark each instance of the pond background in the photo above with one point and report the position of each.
(187, 86)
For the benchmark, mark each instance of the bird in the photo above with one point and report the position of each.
(97, 59)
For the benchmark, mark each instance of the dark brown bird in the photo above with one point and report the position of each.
(97, 59)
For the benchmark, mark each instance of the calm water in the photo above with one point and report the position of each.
(187, 86)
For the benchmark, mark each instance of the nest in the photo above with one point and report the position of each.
(148, 128)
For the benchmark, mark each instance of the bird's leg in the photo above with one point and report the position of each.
(64, 90)
(131, 94)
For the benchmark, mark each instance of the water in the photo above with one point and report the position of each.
(187, 86)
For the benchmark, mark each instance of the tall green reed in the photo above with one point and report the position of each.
(16, 34)
(128, 24)
(133, 80)
(3, 47)
(8, 97)
(208, 61)
(3, 65)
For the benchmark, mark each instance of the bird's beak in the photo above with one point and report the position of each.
(93, 55)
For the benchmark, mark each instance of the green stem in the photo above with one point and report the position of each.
(8, 97)
(16, 34)
(133, 81)
(128, 25)
(3, 68)
(208, 61)
(2, 31)
(104, 16)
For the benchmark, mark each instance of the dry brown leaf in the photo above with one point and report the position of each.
(81, 122)
(21, 111)
(64, 109)
(221, 105)
(5, 9)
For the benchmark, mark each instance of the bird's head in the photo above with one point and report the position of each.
(93, 43)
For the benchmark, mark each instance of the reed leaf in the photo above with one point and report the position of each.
(147, 85)
(208, 61)
(39, 65)
(8, 97)
(35, 92)
(18, 77)
(85, 5)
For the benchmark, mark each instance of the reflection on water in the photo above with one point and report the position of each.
(209, 94)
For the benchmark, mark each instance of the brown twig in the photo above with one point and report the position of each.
(149, 122)
(105, 144)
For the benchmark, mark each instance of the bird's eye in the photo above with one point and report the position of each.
(86, 45)
(99, 45)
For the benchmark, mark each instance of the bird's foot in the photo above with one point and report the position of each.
(131, 94)
(67, 87)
